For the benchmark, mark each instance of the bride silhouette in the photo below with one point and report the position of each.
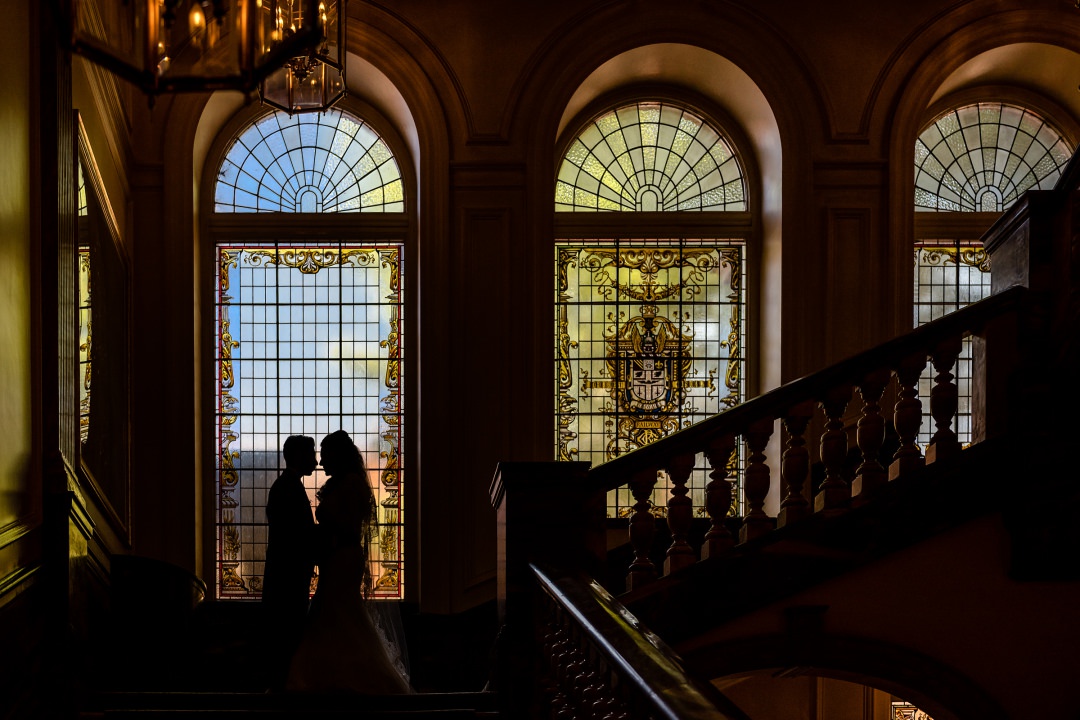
(343, 648)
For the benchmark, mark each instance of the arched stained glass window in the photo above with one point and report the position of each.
(975, 158)
(650, 330)
(983, 157)
(650, 156)
(309, 162)
(310, 332)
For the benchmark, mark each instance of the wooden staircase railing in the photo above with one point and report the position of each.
(553, 513)
(603, 664)
(1026, 346)
(863, 379)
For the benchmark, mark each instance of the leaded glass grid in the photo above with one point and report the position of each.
(309, 162)
(310, 340)
(650, 156)
(949, 275)
(983, 157)
(651, 338)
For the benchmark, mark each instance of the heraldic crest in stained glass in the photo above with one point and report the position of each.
(648, 359)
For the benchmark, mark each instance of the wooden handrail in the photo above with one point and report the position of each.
(775, 403)
(652, 672)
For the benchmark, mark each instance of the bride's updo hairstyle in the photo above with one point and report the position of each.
(342, 452)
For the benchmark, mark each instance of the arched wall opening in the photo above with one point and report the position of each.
(775, 675)
(1021, 55)
(373, 98)
(365, 81)
(1036, 67)
(727, 85)
(723, 84)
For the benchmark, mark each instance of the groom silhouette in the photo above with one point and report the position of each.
(290, 557)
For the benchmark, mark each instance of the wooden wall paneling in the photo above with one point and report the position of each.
(491, 353)
(849, 275)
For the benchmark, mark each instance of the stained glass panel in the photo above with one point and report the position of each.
(650, 338)
(309, 341)
(949, 275)
(650, 156)
(311, 163)
(84, 308)
(982, 157)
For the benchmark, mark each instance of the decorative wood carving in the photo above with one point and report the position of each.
(943, 401)
(642, 529)
(756, 487)
(718, 496)
(795, 465)
(870, 476)
(834, 493)
(680, 514)
(907, 416)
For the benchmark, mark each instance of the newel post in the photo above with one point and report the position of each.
(547, 513)
(1014, 368)
(1024, 389)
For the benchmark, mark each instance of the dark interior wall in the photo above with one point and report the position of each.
(486, 85)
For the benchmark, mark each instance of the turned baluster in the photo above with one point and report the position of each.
(642, 529)
(756, 523)
(594, 695)
(550, 643)
(834, 493)
(870, 477)
(577, 679)
(944, 399)
(559, 650)
(680, 514)
(907, 416)
(794, 466)
(718, 497)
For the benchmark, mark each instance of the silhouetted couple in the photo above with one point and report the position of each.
(335, 645)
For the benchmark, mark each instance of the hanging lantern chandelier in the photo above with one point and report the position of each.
(312, 81)
(166, 46)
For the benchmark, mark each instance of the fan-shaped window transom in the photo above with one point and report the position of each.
(650, 156)
(983, 157)
(311, 163)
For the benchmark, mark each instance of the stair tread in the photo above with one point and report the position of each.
(113, 702)
(363, 712)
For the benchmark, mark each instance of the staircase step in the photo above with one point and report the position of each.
(357, 712)
(442, 706)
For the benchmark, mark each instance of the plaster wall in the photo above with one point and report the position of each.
(831, 97)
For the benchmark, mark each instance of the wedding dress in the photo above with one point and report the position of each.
(347, 646)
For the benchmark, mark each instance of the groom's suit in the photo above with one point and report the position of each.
(290, 562)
